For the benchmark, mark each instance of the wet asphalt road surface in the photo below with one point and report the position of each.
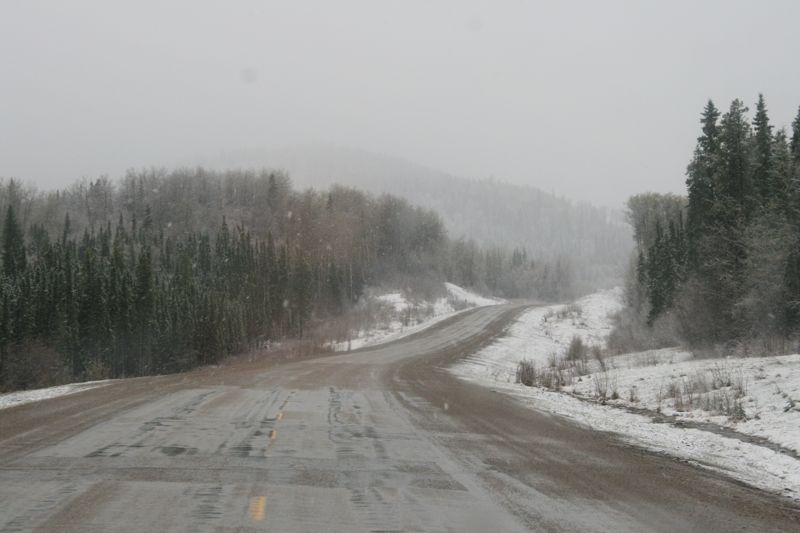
(380, 439)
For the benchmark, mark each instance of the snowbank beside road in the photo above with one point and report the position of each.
(408, 316)
(544, 331)
(753, 464)
(749, 397)
(13, 399)
(754, 396)
(458, 295)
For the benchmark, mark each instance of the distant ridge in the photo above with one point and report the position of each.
(489, 211)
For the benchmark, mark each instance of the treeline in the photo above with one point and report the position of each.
(594, 241)
(131, 301)
(723, 263)
(166, 271)
(510, 274)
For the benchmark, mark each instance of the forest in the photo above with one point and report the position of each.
(721, 265)
(164, 271)
(493, 212)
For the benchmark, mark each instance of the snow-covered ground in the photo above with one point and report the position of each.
(406, 316)
(751, 396)
(540, 332)
(12, 399)
(755, 396)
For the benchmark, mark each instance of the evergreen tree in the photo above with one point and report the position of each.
(734, 176)
(780, 176)
(762, 169)
(301, 294)
(65, 234)
(143, 301)
(701, 179)
(736, 266)
(794, 166)
(791, 283)
(14, 259)
(795, 144)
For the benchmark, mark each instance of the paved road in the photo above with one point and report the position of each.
(381, 439)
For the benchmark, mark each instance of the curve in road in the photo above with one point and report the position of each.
(380, 439)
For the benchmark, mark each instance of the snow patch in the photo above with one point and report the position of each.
(755, 396)
(13, 399)
(539, 333)
(459, 294)
(408, 316)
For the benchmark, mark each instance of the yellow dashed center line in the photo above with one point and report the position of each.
(258, 506)
(273, 433)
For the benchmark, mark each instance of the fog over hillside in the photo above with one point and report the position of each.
(490, 211)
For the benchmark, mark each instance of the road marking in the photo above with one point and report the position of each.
(258, 505)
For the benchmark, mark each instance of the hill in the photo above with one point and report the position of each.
(494, 213)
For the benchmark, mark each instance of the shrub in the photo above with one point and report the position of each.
(526, 373)
(597, 353)
(554, 376)
(572, 310)
(601, 386)
(605, 387)
(32, 365)
(577, 349)
(631, 333)
(633, 395)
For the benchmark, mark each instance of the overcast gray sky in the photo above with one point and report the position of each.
(593, 100)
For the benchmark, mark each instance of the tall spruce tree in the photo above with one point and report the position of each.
(795, 144)
(143, 301)
(737, 272)
(734, 176)
(762, 143)
(700, 180)
(780, 175)
(794, 165)
(14, 259)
